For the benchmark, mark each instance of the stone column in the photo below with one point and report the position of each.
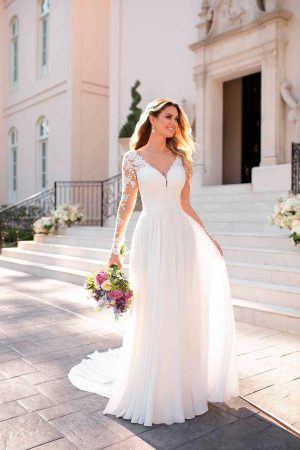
(199, 163)
(114, 84)
(272, 109)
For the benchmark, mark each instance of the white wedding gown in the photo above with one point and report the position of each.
(179, 344)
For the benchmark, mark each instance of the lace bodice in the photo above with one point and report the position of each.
(157, 190)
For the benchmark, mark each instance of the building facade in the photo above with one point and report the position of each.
(235, 66)
(67, 68)
(54, 61)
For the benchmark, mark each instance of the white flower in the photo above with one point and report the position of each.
(296, 228)
(106, 285)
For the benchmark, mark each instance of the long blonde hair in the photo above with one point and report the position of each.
(182, 143)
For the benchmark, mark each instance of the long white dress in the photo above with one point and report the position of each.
(179, 344)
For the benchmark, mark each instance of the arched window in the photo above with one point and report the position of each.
(14, 53)
(44, 36)
(13, 164)
(43, 133)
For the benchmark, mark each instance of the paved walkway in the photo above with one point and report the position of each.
(47, 326)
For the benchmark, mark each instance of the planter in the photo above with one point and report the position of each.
(123, 148)
(124, 143)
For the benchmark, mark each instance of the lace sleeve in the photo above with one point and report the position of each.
(127, 201)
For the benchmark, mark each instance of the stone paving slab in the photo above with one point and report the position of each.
(26, 431)
(47, 326)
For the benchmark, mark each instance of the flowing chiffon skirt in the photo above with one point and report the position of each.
(179, 343)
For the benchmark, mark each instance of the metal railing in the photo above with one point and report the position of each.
(99, 199)
(17, 219)
(295, 186)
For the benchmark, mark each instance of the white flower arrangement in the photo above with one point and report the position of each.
(44, 225)
(69, 214)
(287, 215)
(64, 215)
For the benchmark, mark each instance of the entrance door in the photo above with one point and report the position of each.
(241, 128)
(251, 125)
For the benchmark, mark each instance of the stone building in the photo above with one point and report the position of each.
(67, 68)
(54, 93)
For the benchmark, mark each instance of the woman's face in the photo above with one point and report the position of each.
(166, 123)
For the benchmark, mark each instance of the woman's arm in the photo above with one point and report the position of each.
(186, 206)
(125, 208)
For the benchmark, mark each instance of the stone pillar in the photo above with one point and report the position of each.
(272, 109)
(115, 150)
(199, 163)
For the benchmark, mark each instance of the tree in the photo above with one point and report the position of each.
(132, 118)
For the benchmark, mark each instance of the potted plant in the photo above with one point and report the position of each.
(287, 215)
(132, 119)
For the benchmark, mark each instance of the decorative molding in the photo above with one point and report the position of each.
(199, 76)
(42, 96)
(294, 105)
(7, 3)
(270, 57)
(220, 16)
(94, 88)
(261, 20)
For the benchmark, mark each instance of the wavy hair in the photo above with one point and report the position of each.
(181, 143)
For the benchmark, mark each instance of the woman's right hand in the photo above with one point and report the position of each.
(115, 259)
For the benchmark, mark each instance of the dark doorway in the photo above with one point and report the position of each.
(241, 128)
(251, 106)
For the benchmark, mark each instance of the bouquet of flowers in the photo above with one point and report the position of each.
(287, 215)
(44, 225)
(110, 289)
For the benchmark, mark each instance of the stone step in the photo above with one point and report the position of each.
(251, 270)
(211, 196)
(240, 206)
(270, 316)
(108, 230)
(266, 273)
(98, 237)
(281, 317)
(243, 218)
(43, 270)
(267, 293)
(69, 250)
(54, 260)
(263, 292)
(227, 188)
(251, 255)
(263, 255)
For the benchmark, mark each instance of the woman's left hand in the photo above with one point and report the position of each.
(218, 247)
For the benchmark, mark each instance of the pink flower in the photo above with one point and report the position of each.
(100, 277)
(127, 294)
(115, 293)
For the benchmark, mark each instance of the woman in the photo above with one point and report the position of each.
(178, 349)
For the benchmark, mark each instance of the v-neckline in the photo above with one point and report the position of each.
(157, 170)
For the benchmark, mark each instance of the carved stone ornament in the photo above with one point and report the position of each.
(294, 105)
(218, 16)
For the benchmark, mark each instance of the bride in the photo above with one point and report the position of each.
(179, 343)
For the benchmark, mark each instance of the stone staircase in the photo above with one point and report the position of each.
(264, 268)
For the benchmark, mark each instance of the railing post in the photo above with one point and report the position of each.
(102, 205)
(55, 194)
